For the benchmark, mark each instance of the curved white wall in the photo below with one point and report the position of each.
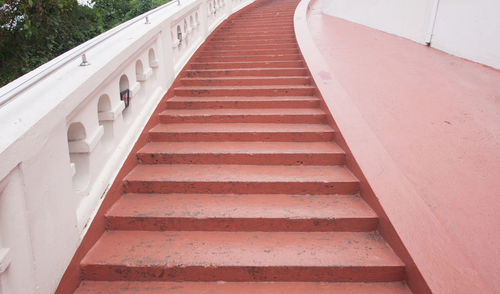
(468, 29)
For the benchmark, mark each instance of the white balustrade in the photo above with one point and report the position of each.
(66, 129)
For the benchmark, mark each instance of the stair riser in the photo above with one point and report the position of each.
(241, 104)
(99, 287)
(299, 188)
(246, 58)
(251, 42)
(236, 37)
(249, 72)
(244, 273)
(248, 19)
(246, 137)
(301, 81)
(265, 16)
(245, 92)
(312, 118)
(236, 47)
(241, 224)
(243, 31)
(237, 65)
(251, 159)
(209, 53)
(263, 23)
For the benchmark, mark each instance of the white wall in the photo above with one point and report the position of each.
(405, 18)
(468, 29)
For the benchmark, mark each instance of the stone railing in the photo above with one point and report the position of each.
(67, 127)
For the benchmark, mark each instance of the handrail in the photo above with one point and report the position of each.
(76, 52)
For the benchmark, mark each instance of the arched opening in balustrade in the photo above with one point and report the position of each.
(125, 95)
(106, 117)
(104, 104)
(79, 160)
(153, 63)
(76, 132)
(139, 71)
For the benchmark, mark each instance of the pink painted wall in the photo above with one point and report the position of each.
(438, 116)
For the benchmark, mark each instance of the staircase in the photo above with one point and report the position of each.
(242, 182)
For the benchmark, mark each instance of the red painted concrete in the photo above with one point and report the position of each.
(240, 181)
(431, 121)
(284, 153)
(233, 212)
(243, 102)
(242, 256)
(276, 132)
(258, 115)
(93, 287)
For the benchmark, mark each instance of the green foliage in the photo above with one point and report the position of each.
(33, 32)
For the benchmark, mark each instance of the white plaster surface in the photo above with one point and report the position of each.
(468, 29)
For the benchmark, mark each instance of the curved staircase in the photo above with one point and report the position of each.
(242, 182)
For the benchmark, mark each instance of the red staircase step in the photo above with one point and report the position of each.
(272, 90)
(291, 45)
(264, 30)
(249, 52)
(236, 58)
(240, 179)
(264, 115)
(197, 102)
(266, 153)
(252, 42)
(242, 256)
(246, 72)
(247, 81)
(263, 23)
(99, 287)
(276, 132)
(247, 64)
(276, 36)
(230, 212)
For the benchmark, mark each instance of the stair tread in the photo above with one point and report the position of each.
(203, 206)
(125, 287)
(241, 98)
(242, 148)
(243, 111)
(239, 127)
(244, 78)
(252, 55)
(239, 173)
(245, 87)
(236, 249)
(245, 69)
(239, 62)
